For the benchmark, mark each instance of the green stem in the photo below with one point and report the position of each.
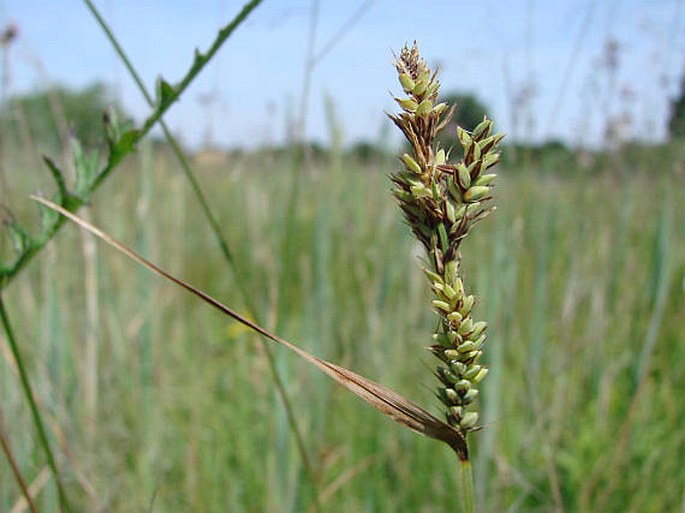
(221, 240)
(466, 486)
(28, 392)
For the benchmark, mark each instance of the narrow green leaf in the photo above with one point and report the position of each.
(58, 176)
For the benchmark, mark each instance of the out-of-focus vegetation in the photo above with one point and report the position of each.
(583, 274)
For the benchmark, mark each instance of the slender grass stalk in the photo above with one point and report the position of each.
(28, 392)
(223, 245)
(466, 486)
(15, 468)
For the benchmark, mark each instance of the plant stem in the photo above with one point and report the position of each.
(466, 486)
(28, 392)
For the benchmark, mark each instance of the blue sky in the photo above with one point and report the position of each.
(539, 65)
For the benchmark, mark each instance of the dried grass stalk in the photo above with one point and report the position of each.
(386, 401)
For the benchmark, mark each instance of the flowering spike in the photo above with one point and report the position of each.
(441, 202)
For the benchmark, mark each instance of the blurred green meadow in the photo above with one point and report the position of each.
(155, 402)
